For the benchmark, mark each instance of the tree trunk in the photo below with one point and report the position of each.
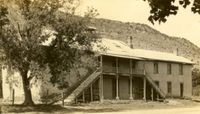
(28, 101)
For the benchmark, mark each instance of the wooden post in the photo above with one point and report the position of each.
(63, 103)
(131, 88)
(101, 88)
(83, 96)
(144, 90)
(117, 65)
(117, 87)
(117, 79)
(131, 80)
(152, 93)
(101, 63)
(101, 80)
(13, 96)
(91, 93)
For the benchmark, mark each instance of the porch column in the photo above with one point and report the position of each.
(101, 88)
(101, 80)
(83, 96)
(117, 87)
(131, 80)
(117, 78)
(91, 92)
(131, 88)
(144, 89)
(152, 93)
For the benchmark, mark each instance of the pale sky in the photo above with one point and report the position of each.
(184, 24)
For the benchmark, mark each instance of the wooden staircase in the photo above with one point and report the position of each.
(90, 79)
(158, 90)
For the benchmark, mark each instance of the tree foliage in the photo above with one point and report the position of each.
(161, 9)
(26, 25)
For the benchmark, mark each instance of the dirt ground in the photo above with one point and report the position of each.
(97, 107)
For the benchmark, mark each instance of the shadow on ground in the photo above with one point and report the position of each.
(49, 109)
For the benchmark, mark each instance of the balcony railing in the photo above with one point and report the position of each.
(123, 71)
(139, 71)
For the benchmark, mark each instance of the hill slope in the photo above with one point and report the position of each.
(145, 37)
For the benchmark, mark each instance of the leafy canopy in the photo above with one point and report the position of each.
(26, 25)
(161, 9)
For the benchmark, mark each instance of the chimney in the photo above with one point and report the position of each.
(131, 42)
(175, 52)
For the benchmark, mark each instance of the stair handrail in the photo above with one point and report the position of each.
(163, 94)
(60, 95)
(84, 80)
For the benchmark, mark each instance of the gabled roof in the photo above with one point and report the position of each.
(120, 49)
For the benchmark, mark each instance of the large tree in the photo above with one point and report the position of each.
(28, 25)
(161, 9)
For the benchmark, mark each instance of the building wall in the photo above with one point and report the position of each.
(175, 78)
(38, 89)
(162, 77)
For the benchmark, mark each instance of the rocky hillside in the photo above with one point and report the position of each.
(146, 37)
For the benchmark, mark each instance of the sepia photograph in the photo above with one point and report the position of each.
(100, 56)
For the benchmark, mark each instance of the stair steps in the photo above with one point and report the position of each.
(71, 98)
(160, 92)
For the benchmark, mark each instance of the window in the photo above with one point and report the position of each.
(181, 89)
(169, 68)
(169, 88)
(155, 68)
(180, 69)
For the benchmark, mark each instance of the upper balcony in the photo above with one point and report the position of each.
(123, 71)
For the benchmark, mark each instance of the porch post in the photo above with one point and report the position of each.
(101, 88)
(131, 80)
(101, 80)
(117, 78)
(91, 92)
(83, 96)
(152, 93)
(144, 89)
(117, 87)
(131, 88)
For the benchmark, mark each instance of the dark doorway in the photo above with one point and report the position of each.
(109, 88)
(137, 88)
(181, 89)
(124, 87)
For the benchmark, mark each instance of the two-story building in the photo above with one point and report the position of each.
(127, 73)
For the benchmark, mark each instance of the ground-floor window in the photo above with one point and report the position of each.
(181, 89)
(169, 88)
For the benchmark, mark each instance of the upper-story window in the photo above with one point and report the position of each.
(169, 68)
(180, 69)
(155, 66)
